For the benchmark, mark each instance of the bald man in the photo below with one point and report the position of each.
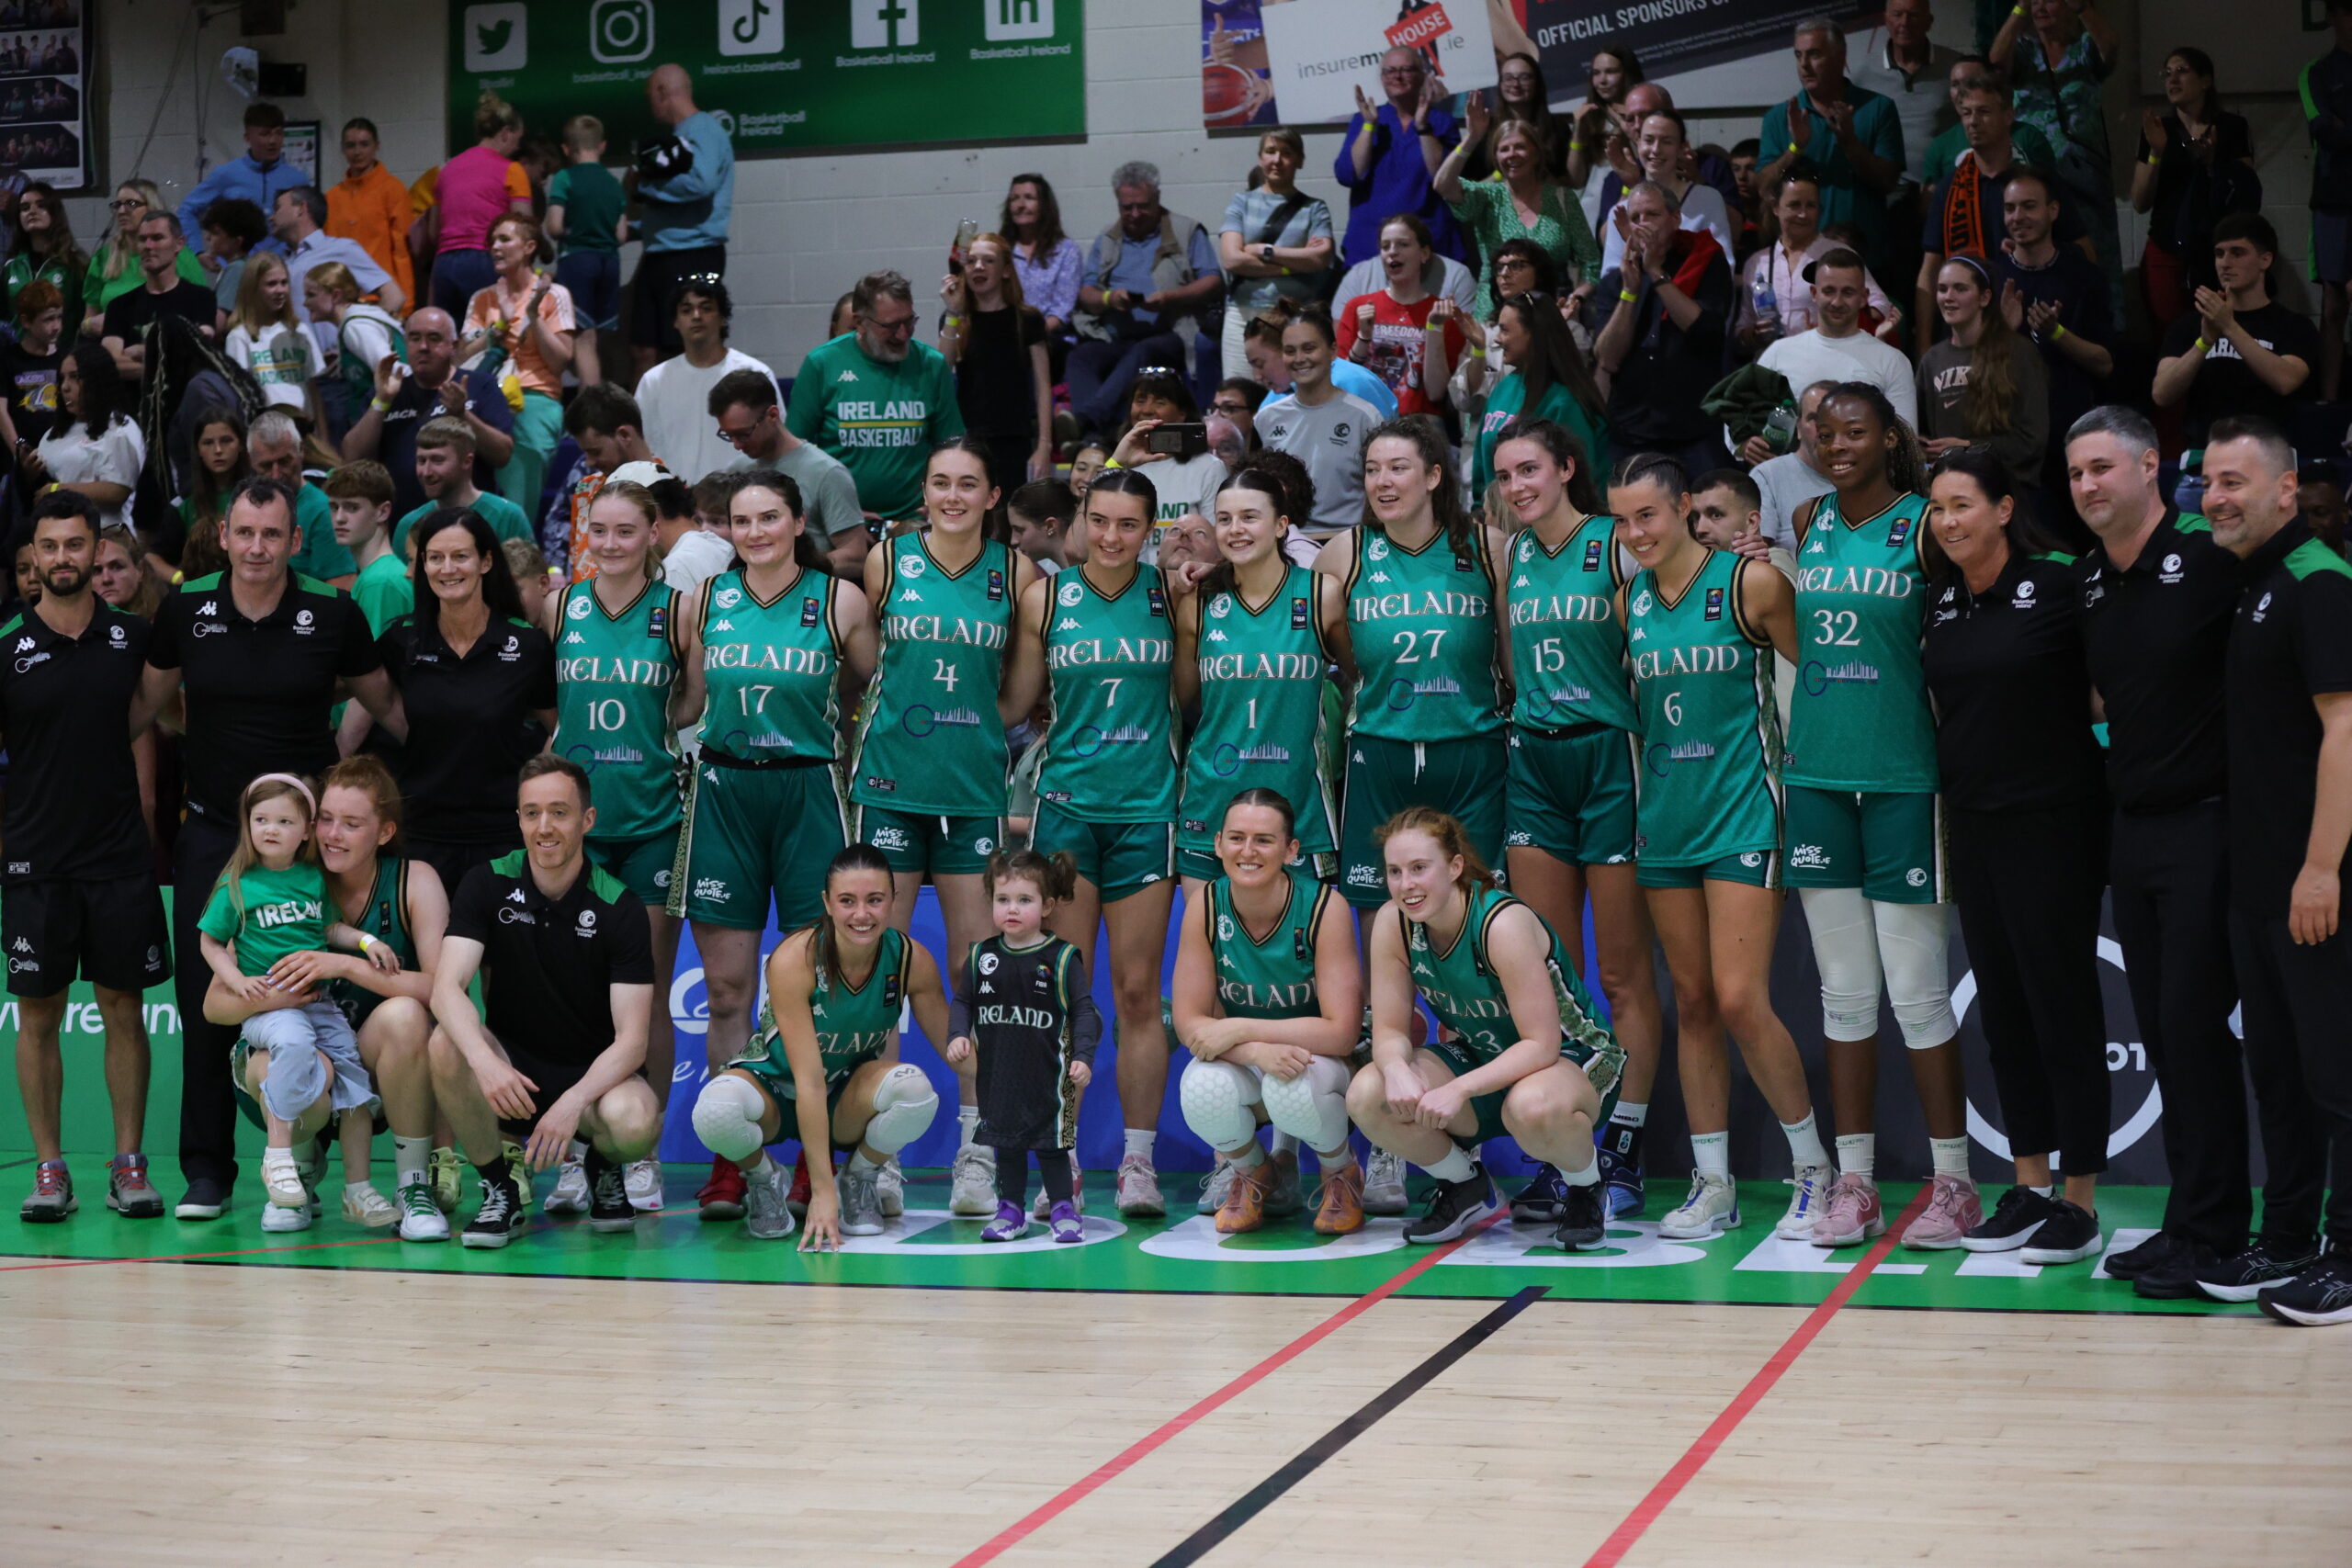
(684, 187)
(386, 430)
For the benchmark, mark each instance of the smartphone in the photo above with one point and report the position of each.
(966, 233)
(1178, 441)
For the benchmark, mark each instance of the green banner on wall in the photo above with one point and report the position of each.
(785, 74)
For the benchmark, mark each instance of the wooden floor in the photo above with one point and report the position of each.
(189, 1415)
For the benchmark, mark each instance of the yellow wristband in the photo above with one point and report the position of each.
(956, 321)
(1283, 270)
(2154, 159)
(366, 943)
(2200, 345)
(378, 404)
(1112, 463)
(1793, 147)
(2057, 332)
(2016, 11)
(1628, 296)
(1478, 353)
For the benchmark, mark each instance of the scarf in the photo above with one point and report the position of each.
(1688, 255)
(1963, 214)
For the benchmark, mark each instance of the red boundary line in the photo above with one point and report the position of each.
(1111, 1469)
(1695, 1459)
(196, 1256)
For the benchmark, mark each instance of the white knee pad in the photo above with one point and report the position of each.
(1217, 1097)
(1845, 949)
(904, 1103)
(726, 1117)
(1312, 1107)
(1919, 973)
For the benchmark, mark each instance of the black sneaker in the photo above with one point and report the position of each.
(609, 1208)
(1453, 1208)
(2015, 1218)
(2320, 1294)
(204, 1200)
(2254, 1271)
(1543, 1201)
(1583, 1218)
(501, 1217)
(2175, 1278)
(2135, 1261)
(2068, 1235)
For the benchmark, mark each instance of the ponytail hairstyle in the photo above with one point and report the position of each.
(365, 772)
(805, 553)
(1906, 469)
(1445, 501)
(1656, 468)
(1054, 875)
(2026, 536)
(1122, 481)
(1222, 578)
(1272, 800)
(245, 857)
(1451, 837)
(1297, 485)
(1568, 450)
(994, 524)
(824, 948)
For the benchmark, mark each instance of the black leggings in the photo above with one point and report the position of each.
(1012, 1175)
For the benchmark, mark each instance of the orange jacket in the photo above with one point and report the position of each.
(374, 210)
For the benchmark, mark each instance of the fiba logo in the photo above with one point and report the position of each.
(2122, 1055)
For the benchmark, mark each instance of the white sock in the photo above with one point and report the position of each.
(1249, 1157)
(2049, 1191)
(1858, 1155)
(1950, 1156)
(577, 1152)
(1456, 1166)
(967, 1123)
(1712, 1152)
(758, 1165)
(410, 1158)
(1139, 1141)
(1585, 1177)
(1630, 1114)
(858, 1162)
(1804, 1143)
(1285, 1143)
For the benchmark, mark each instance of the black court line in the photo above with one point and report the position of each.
(1255, 1501)
(11, 1165)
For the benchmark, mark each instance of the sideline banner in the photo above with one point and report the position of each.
(1300, 62)
(781, 75)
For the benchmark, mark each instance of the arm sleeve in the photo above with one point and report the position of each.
(1204, 254)
(632, 941)
(1236, 221)
(1887, 133)
(518, 183)
(1085, 1020)
(959, 1006)
(560, 188)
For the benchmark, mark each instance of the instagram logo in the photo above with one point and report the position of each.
(620, 31)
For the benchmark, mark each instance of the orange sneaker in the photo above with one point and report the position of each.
(1339, 1211)
(1245, 1201)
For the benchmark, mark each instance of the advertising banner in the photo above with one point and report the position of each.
(44, 99)
(1669, 37)
(781, 75)
(1301, 62)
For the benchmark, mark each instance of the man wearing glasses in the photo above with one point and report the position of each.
(1389, 157)
(742, 406)
(876, 400)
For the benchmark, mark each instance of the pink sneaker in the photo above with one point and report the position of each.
(1951, 1212)
(1854, 1213)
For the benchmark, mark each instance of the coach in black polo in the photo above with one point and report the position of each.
(557, 1050)
(2156, 600)
(77, 892)
(259, 653)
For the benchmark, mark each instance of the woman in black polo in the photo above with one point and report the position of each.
(478, 682)
(2025, 803)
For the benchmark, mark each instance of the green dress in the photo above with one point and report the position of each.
(1490, 216)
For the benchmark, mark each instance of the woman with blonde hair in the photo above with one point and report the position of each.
(267, 340)
(114, 270)
(475, 190)
(365, 334)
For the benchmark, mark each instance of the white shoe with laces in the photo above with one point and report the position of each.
(1214, 1186)
(891, 1188)
(1710, 1208)
(571, 1194)
(644, 1179)
(971, 1191)
(1808, 1203)
(1384, 1183)
(1139, 1196)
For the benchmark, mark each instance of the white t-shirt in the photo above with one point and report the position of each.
(114, 455)
(1181, 487)
(697, 557)
(675, 397)
(1808, 357)
(1702, 208)
(1786, 482)
(282, 359)
(366, 336)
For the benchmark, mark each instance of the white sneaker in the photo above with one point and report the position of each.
(1214, 1186)
(420, 1217)
(365, 1206)
(1139, 1196)
(1384, 1183)
(891, 1188)
(645, 1186)
(972, 1182)
(277, 1217)
(571, 1194)
(286, 1188)
(1712, 1208)
(1808, 1203)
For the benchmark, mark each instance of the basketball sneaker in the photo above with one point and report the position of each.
(363, 1205)
(1067, 1225)
(518, 1165)
(1340, 1209)
(52, 1195)
(767, 1217)
(1622, 1192)
(1710, 1208)
(2253, 1271)
(279, 1218)
(1807, 1203)
(1852, 1213)
(1010, 1224)
(971, 1188)
(1454, 1207)
(444, 1175)
(1543, 1201)
(721, 1197)
(1283, 1198)
(609, 1211)
(2068, 1235)
(500, 1219)
(2320, 1294)
(1384, 1183)
(891, 1188)
(1245, 1200)
(1214, 1185)
(1584, 1218)
(204, 1200)
(2015, 1219)
(1951, 1212)
(1139, 1196)
(645, 1186)
(129, 1192)
(571, 1194)
(420, 1217)
(2175, 1278)
(799, 1196)
(2135, 1261)
(861, 1202)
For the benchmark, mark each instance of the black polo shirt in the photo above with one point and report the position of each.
(548, 965)
(2290, 641)
(2156, 637)
(2012, 692)
(73, 808)
(260, 691)
(469, 724)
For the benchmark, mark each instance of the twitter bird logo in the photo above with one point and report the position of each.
(491, 39)
(498, 36)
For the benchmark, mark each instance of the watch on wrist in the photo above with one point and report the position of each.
(1266, 255)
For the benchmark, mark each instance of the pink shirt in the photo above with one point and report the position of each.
(476, 189)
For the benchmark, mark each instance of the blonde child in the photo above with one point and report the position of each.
(299, 1059)
(269, 340)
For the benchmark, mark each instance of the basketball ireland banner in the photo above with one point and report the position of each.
(782, 75)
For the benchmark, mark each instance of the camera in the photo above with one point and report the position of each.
(1178, 441)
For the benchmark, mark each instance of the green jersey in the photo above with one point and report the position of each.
(614, 671)
(268, 915)
(772, 670)
(1462, 989)
(1859, 718)
(385, 918)
(880, 419)
(854, 1023)
(1425, 634)
(1110, 748)
(1567, 650)
(929, 741)
(506, 519)
(593, 202)
(1263, 720)
(1711, 736)
(385, 592)
(1271, 975)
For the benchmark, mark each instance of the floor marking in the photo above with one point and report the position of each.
(198, 1257)
(1695, 1459)
(1021, 1529)
(1212, 1535)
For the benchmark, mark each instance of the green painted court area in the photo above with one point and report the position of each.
(1182, 1254)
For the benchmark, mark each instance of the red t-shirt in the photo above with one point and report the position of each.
(1400, 341)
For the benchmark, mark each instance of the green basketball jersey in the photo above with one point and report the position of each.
(1263, 681)
(1424, 630)
(385, 918)
(1567, 650)
(1273, 975)
(929, 741)
(614, 671)
(1859, 719)
(853, 1022)
(1709, 785)
(1461, 987)
(1111, 748)
(773, 670)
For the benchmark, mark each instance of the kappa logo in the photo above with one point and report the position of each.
(1808, 857)
(573, 639)
(515, 897)
(1217, 635)
(1066, 625)
(578, 608)
(20, 945)
(1519, 581)
(1377, 577)
(988, 962)
(1820, 545)
(845, 378)
(1071, 593)
(208, 608)
(723, 625)
(710, 888)
(1220, 607)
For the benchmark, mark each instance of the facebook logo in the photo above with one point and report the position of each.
(884, 24)
(1009, 19)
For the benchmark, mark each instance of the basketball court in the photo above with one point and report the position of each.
(202, 1393)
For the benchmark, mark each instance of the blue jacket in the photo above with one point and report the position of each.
(239, 178)
(691, 210)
